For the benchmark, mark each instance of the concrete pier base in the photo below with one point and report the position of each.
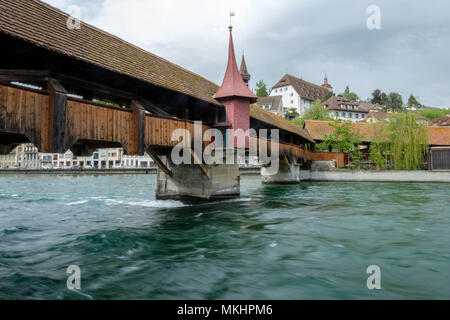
(288, 173)
(189, 183)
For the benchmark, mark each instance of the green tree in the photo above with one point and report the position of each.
(376, 96)
(342, 139)
(394, 102)
(327, 96)
(407, 141)
(292, 113)
(413, 102)
(261, 89)
(379, 146)
(298, 122)
(383, 99)
(349, 95)
(317, 111)
(377, 154)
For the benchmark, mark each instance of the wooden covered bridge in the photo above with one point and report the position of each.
(82, 89)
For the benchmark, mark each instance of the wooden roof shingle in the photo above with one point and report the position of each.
(437, 136)
(46, 27)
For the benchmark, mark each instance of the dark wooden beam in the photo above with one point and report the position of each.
(58, 106)
(23, 75)
(139, 112)
(198, 162)
(153, 108)
(84, 85)
(159, 163)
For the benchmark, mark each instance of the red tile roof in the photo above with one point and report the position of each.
(233, 85)
(437, 136)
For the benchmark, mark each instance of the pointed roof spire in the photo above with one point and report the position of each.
(326, 84)
(243, 68)
(233, 85)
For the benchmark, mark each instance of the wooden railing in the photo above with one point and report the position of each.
(37, 115)
(285, 149)
(32, 113)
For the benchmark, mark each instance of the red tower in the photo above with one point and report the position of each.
(326, 84)
(236, 96)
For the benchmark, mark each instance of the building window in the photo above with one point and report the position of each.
(336, 114)
(342, 106)
(357, 116)
(363, 116)
(292, 101)
(285, 89)
(292, 94)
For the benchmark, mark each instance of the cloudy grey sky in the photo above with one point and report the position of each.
(306, 38)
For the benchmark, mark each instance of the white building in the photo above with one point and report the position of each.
(137, 161)
(298, 94)
(101, 159)
(273, 104)
(348, 110)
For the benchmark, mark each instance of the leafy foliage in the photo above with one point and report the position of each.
(317, 111)
(349, 95)
(413, 102)
(292, 113)
(261, 89)
(342, 139)
(376, 97)
(433, 113)
(394, 102)
(327, 96)
(402, 140)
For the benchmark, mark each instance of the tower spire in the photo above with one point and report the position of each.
(326, 84)
(233, 85)
(243, 70)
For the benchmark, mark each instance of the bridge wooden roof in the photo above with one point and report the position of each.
(270, 118)
(437, 136)
(46, 27)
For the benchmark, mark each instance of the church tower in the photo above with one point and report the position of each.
(244, 73)
(326, 84)
(236, 96)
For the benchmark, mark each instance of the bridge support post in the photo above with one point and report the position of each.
(197, 183)
(288, 172)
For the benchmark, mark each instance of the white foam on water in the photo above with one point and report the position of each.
(198, 215)
(157, 204)
(112, 201)
(77, 202)
(339, 245)
(273, 245)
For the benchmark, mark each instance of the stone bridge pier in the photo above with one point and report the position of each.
(194, 183)
(288, 172)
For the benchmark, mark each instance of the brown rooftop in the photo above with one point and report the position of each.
(272, 101)
(45, 26)
(304, 88)
(270, 118)
(437, 136)
(335, 102)
(443, 121)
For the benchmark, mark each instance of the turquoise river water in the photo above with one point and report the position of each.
(310, 241)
